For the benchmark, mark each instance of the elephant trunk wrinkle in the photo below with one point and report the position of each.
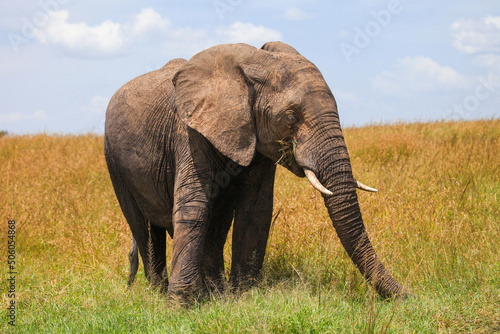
(349, 226)
(344, 211)
(315, 182)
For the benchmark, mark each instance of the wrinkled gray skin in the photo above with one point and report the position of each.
(194, 145)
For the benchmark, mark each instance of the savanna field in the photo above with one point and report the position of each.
(435, 223)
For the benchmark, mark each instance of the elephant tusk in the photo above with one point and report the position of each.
(315, 182)
(364, 187)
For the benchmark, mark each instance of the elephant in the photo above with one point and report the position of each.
(193, 147)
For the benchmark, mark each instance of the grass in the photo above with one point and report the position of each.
(435, 222)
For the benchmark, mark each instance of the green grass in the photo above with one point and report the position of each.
(435, 223)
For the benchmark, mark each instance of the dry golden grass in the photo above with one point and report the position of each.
(437, 205)
(434, 222)
(58, 191)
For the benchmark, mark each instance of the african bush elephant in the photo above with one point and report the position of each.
(194, 145)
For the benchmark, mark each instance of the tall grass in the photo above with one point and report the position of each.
(434, 223)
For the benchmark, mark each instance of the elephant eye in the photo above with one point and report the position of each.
(291, 118)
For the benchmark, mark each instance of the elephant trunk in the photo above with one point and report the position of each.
(348, 223)
(343, 208)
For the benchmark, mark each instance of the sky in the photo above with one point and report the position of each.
(385, 61)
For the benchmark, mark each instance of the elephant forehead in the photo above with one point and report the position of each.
(309, 76)
(306, 79)
(305, 89)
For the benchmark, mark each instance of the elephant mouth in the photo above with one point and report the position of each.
(287, 158)
(287, 151)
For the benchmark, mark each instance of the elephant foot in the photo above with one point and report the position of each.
(184, 294)
(242, 283)
(396, 294)
(157, 281)
(404, 295)
(215, 286)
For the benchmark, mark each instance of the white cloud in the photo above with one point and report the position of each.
(109, 38)
(15, 117)
(473, 36)
(490, 61)
(240, 32)
(104, 39)
(97, 105)
(149, 22)
(297, 14)
(413, 75)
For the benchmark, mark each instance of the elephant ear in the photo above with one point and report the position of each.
(279, 47)
(213, 97)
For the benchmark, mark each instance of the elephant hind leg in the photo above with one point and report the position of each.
(150, 242)
(133, 258)
(148, 239)
(152, 249)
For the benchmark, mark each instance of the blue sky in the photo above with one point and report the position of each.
(385, 61)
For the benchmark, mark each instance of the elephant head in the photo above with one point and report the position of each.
(276, 102)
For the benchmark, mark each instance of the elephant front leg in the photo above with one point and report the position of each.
(190, 222)
(213, 255)
(252, 221)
